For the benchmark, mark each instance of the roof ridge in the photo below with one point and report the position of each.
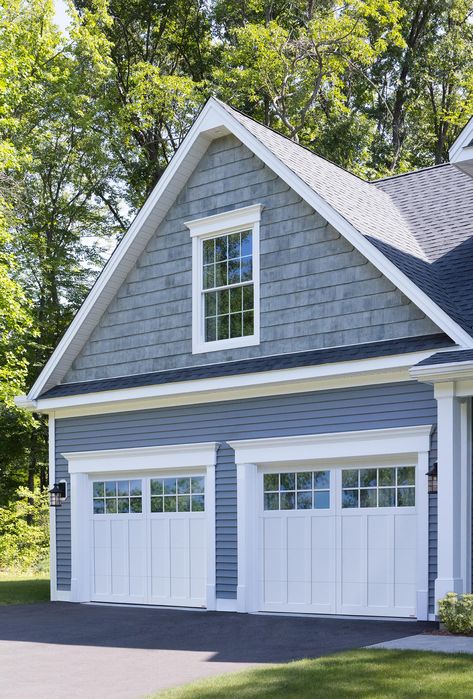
(406, 174)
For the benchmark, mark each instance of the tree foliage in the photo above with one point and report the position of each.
(90, 118)
(24, 532)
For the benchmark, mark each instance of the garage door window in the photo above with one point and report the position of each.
(178, 494)
(378, 487)
(117, 497)
(308, 490)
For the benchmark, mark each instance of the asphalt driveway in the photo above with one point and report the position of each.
(59, 650)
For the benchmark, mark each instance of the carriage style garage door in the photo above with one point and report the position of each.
(148, 540)
(338, 541)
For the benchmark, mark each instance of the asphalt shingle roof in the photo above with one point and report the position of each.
(249, 366)
(453, 357)
(421, 221)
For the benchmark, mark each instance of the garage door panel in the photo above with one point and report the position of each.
(323, 565)
(380, 566)
(353, 531)
(160, 534)
(404, 594)
(405, 566)
(298, 592)
(179, 533)
(298, 533)
(273, 532)
(148, 557)
(380, 531)
(353, 594)
(120, 585)
(160, 563)
(353, 565)
(380, 595)
(160, 589)
(404, 531)
(275, 564)
(180, 562)
(323, 533)
(101, 533)
(346, 559)
(323, 593)
(198, 563)
(274, 592)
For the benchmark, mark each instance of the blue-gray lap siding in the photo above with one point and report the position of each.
(361, 408)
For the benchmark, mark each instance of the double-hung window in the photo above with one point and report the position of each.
(225, 280)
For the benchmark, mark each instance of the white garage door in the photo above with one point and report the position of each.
(149, 540)
(338, 541)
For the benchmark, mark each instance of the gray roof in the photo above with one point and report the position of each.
(421, 221)
(259, 364)
(453, 357)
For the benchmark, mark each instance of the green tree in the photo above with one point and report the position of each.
(309, 78)
(52, 126)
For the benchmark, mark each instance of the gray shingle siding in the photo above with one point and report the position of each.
(360, 408)
(316, 289)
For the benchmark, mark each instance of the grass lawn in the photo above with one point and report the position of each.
(360, 674)
(23, 590)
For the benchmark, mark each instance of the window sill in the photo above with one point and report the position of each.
(232, 343)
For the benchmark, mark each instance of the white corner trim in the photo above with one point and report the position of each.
(62, 596)
(175, 456)
(358, 372)
(215, 120)
(224, 222)
(52, 510)
(226, 605)
(210, 227)
(336, 445)
(457, 150)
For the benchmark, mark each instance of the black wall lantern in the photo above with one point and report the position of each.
(432, 474)
(57, 494)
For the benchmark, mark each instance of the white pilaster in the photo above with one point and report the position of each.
(247, 531)
(80, 538)
(450, 552)
(52, 510)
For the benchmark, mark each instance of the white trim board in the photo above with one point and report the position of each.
(176, 456)
(214, 121)
(359, 372)
(337, 445)
(210, 227)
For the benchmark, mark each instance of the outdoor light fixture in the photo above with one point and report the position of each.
(57, 494)
(432, 474)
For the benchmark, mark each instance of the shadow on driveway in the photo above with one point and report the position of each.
(235, 638)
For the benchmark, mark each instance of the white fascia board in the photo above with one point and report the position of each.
(458, 150)
(214, 121)
(443, 372)
(340, 445)
(175, 456)
(300, 379)
(204, 129)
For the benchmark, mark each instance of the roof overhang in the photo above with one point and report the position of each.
(380, 370)
(461, 152)
(214, 121)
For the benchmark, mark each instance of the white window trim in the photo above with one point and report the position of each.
(253, 455)
(211, 227)
(144, 461)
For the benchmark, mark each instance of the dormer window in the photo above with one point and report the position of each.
(225, 280)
